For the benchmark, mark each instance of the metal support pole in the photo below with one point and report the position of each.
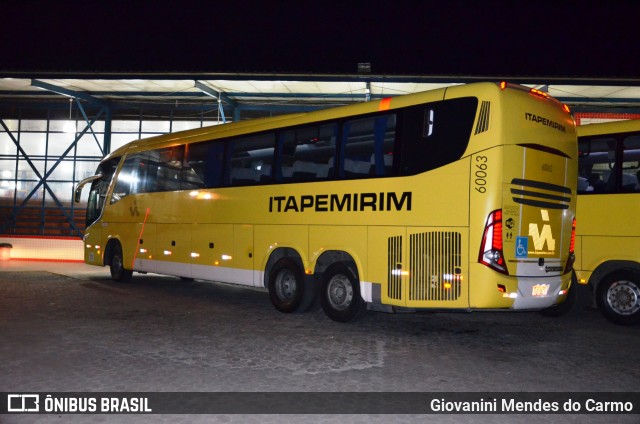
(106, 148)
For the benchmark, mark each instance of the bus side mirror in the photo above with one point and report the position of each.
(82, 183)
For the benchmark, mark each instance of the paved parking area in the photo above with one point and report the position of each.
(68, 327)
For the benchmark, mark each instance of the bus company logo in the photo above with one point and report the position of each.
(133, 209)
(23, 403)
(544, 121)
(350, 202)
(544, 236)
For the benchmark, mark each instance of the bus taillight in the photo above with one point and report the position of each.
(545, 95)
(572, 245)
(491, 253)
(539, 93)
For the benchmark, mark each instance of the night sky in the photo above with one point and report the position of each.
(559, 39)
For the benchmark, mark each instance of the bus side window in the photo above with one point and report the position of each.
(603, 168)
(631, 163)
(586, 179)
(206, 160)
(169, 169)
(251, 159)
(598, 166)
(368, 147)
(436, 134)
(189, 178)
(305, 154)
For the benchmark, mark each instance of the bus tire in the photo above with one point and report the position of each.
(340, 296)
(116, 266)
(286, 286)
(618, 297)
(568, 304)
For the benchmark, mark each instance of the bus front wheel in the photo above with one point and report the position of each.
(286, 286)
(618, 297)
(340, 297)
(116, 266)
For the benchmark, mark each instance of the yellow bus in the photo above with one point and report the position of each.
(608, 234)
(454, 199)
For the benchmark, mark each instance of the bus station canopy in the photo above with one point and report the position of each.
(257, 94)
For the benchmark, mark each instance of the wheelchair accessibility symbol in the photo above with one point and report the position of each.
(522, 247)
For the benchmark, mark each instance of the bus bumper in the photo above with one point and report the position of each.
(537, 293)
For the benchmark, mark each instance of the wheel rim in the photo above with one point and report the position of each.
(340, 292)
(286, 285)
(624, 297)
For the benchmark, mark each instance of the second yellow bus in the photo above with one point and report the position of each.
(608, 234)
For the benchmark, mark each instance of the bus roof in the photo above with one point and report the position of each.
(609, 127)
(486, 89)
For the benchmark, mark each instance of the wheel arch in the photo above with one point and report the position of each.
(607, 268)
(275, 256)
(330, 257)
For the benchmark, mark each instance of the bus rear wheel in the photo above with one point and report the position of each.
(340, 297)
(618, 297)
(116, 266)
(286, 285)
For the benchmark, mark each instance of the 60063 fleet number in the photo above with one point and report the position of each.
(481, 173)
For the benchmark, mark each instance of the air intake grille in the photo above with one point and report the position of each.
(395, 267)
(435, 266)
(541, 194)
(483, 118)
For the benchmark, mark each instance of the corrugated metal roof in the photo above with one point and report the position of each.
(278, 91)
